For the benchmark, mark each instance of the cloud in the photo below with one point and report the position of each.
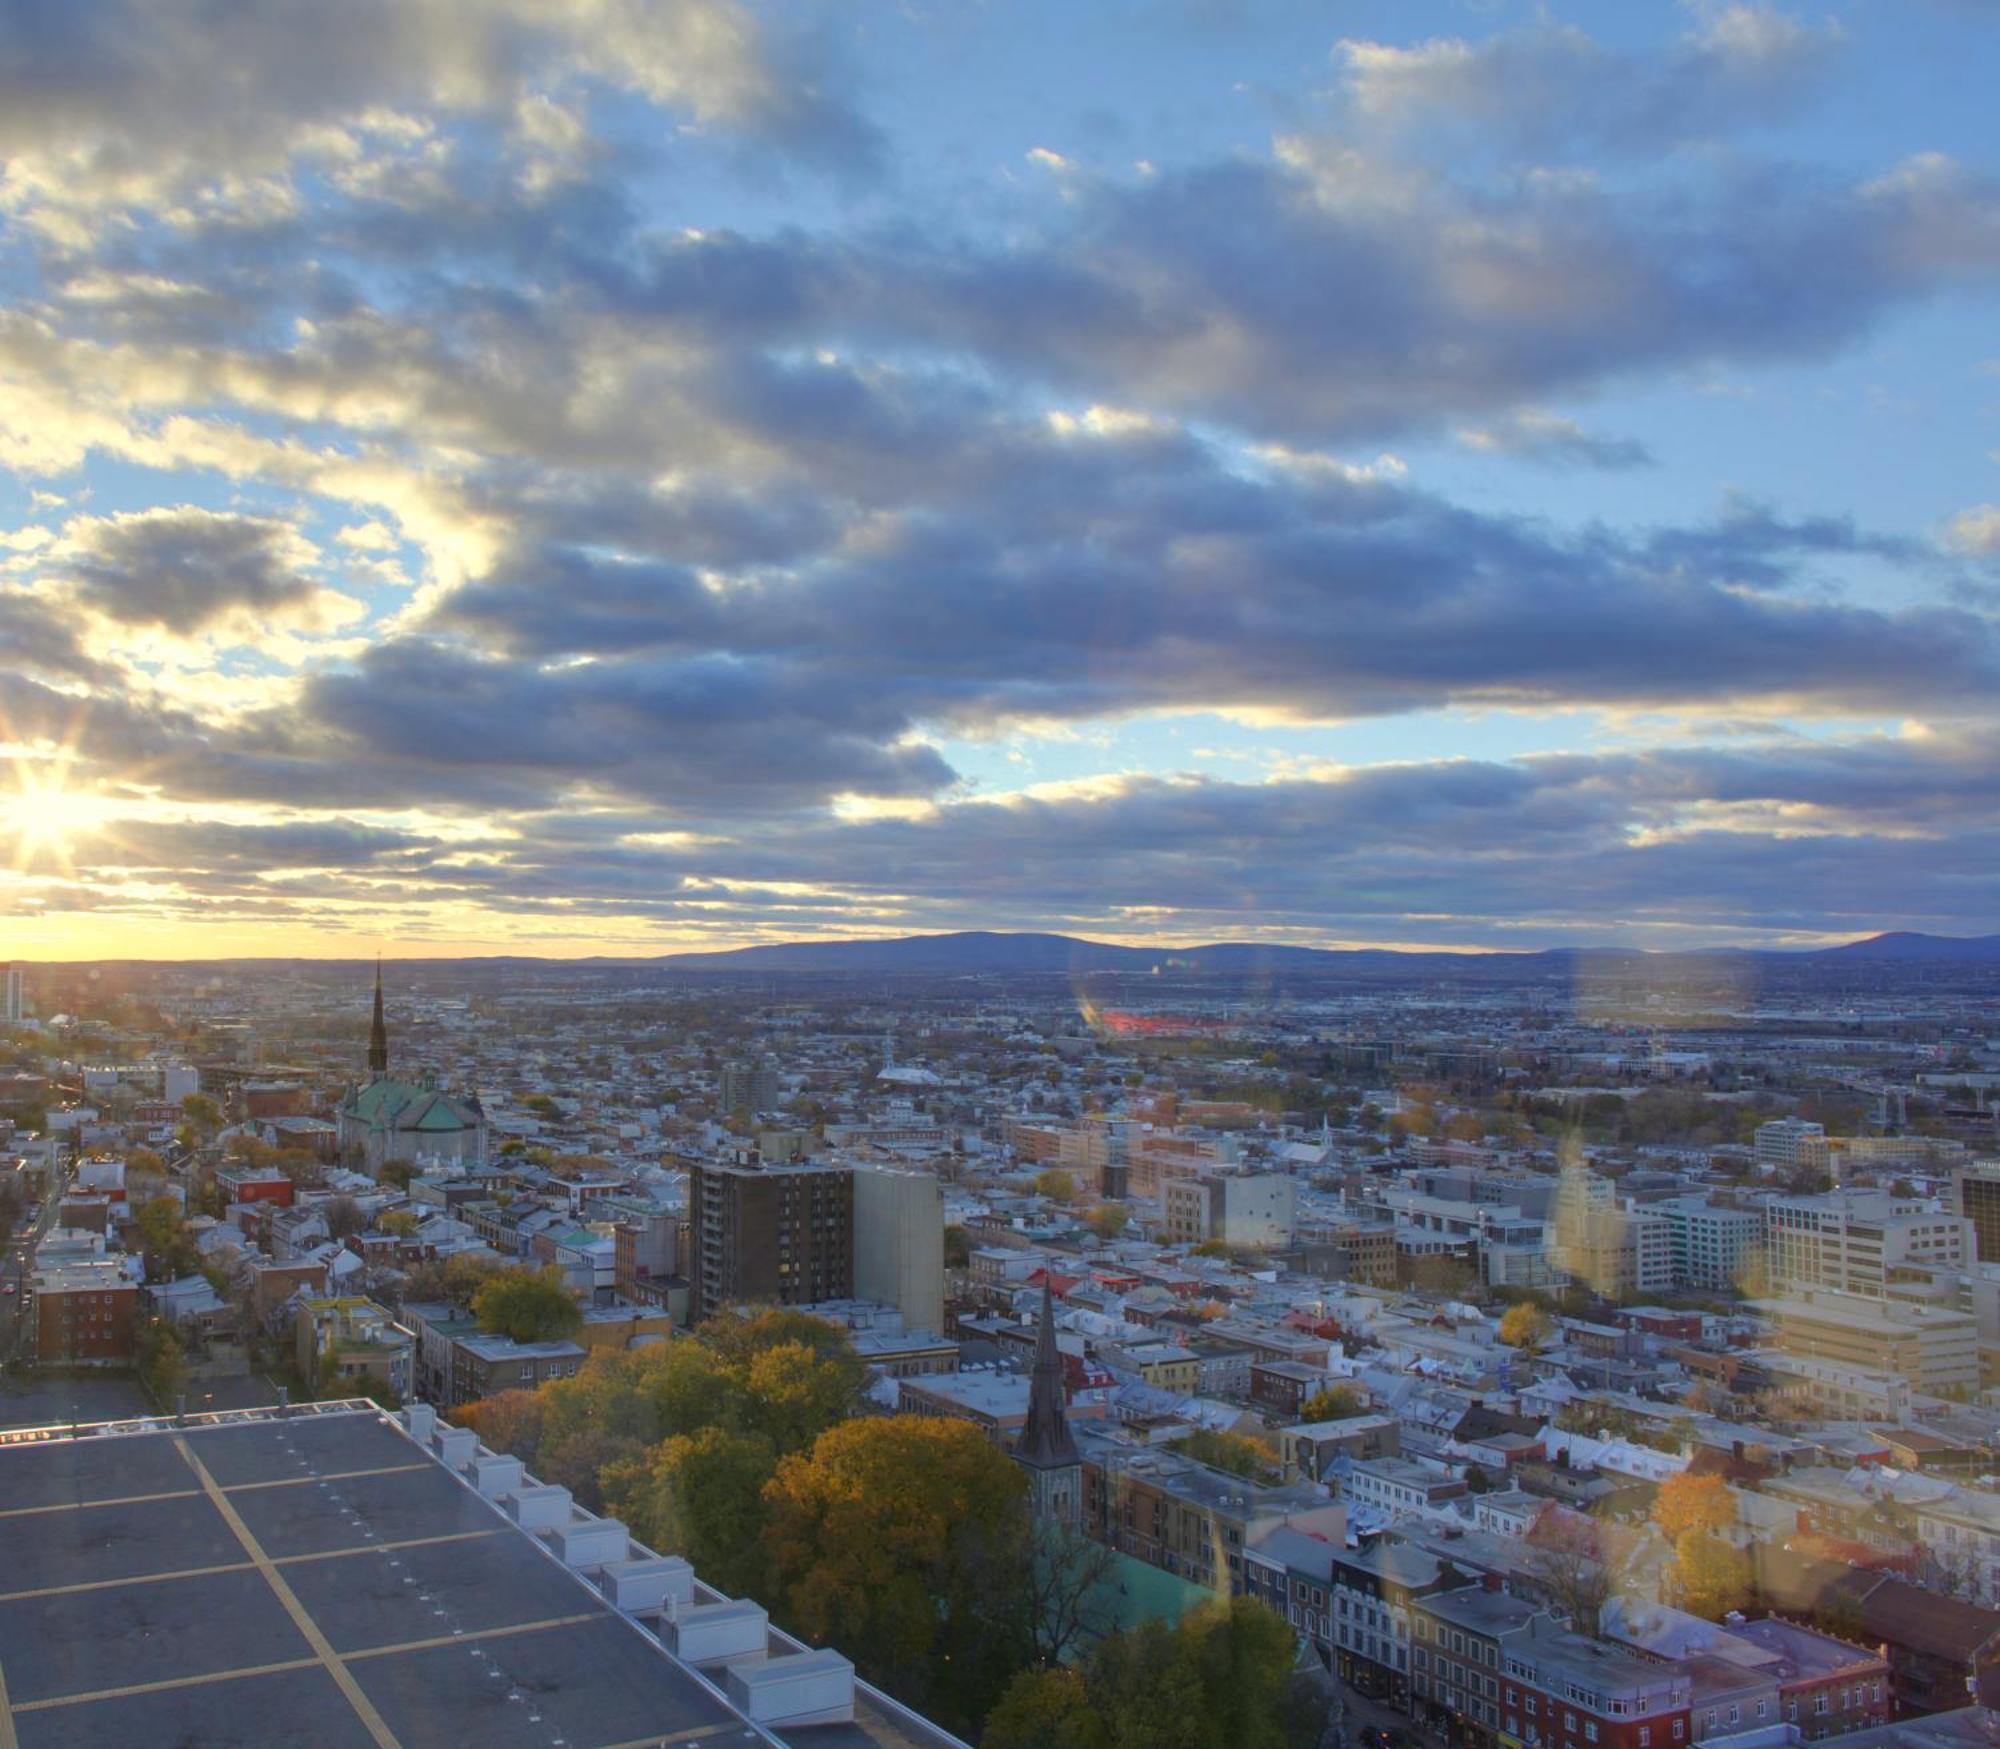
(1976, 530)
(1552, 91)
(1546, 437)
(188, 570)
(668, 559)
(108, 104)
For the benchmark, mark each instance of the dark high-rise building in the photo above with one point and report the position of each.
(1978, 1199)
(769, 1235)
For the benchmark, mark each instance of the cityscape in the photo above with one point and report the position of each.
(1483, 1354)
(999, 874)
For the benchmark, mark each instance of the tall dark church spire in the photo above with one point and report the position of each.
(1045, 1442)
(378, 1033)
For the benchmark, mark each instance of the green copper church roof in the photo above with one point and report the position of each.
(388, 1104)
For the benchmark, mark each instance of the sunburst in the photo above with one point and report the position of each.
(46, 813)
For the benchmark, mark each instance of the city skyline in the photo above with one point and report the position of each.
(637, 479)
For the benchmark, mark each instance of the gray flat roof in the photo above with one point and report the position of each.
(318, 1579)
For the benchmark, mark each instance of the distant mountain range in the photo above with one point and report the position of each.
(975, 952)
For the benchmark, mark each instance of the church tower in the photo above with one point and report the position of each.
(378, 1033)
(1046, 1449)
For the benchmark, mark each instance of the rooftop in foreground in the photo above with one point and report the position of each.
(319, 1577)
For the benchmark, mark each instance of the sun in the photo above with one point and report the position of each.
(44, 815)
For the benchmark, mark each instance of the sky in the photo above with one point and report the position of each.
(642, 475)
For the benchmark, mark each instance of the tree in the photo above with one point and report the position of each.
(1233, 1453)
(466, 1272)
(508, 1421)
(1687, 1503)
(883, 1538)
(1219, 1679)
(161, 1363)
(1046, 1708)
(396, 1173)
(203, 1115)
(399, 1223)
(1056, 1184)
(701, 1495)
(1569, 1561)
(344, 1216)
(1526, 1327)
(1108, 1220)
(527, 1305)
(164, 1240)
(957, 1247)
(1331, 1403)
(1709, 1577)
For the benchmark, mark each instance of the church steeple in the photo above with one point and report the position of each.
(378, 1033)
(1045, 1442)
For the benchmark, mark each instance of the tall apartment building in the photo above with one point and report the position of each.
(1975, 1194)
(14, 1001)
(899, 1243)
(1859, 1241)
(769, 1235)
(1709, 1243)
(751, 1086)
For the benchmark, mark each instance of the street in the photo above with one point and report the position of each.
(16, 1271)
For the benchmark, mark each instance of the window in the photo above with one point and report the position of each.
(1645, 1737)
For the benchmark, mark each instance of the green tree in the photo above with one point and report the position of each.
(399, 1223)
(701, 1495)
(1046, 1708)
(1056, 1184)
(527, 1305)
(957, 1247)
(164, 1240)
(397, 1173)
(161, 1363)
(1219, 1679)
(203, 1115)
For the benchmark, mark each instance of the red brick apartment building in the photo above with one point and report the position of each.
(84, 1314)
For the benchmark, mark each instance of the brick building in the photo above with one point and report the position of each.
(85, 1314)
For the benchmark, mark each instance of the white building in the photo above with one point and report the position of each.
(1859, 1241)
(899, 1242)
(1790, 1141)
(1709, 1243)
